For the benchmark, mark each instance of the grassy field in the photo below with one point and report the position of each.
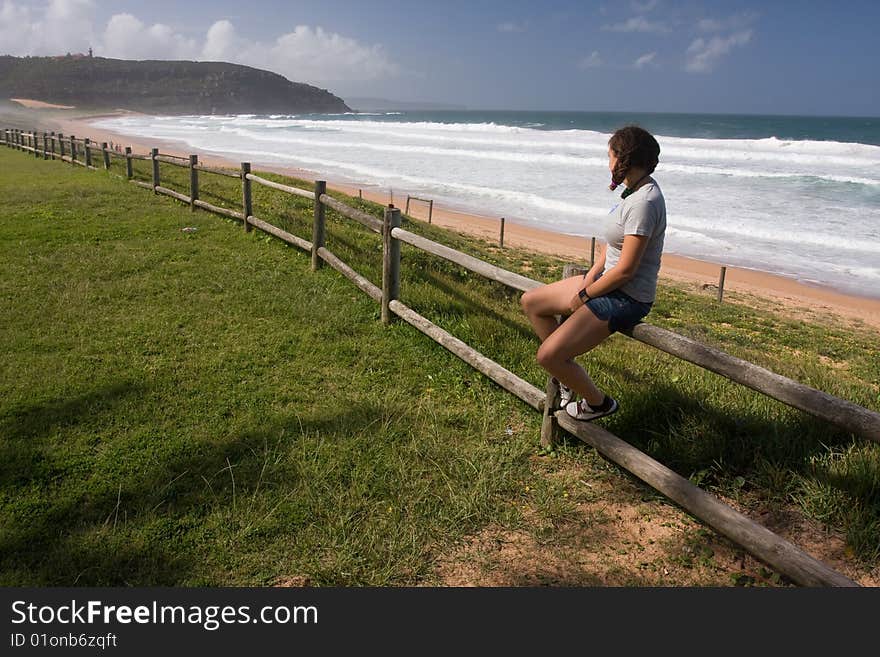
(199, 408)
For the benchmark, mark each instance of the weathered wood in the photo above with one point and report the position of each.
(843, 413)
(501, 237)
(173, 160)
(759, 541)
(510, 279)
(390, 262)
(138, 156)
(721, 284)
(247, 201)
(87, 146)
(154, 156)
(219, 210)
(430, 210)
(296, 191)
(361, 217)
(592, 252)
(503, 377)
(373, 291)
(52, 145)
(193, 181)
(140, 183)
(283, 235)
(72, 149)
(61, 145)
(174, 194)
(219, 172)
(45, 145)
(129, 173)
(106, 153)
(318, 224)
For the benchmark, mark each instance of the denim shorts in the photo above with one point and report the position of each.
(619, 309)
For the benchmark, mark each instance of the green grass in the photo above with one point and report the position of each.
(202, 409)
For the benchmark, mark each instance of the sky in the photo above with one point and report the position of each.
(702, 56)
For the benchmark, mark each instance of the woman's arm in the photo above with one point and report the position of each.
(630, 256)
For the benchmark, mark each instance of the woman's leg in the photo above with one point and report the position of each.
(577, 335)
(542, 304)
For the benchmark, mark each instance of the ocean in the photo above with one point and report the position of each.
(794, 196)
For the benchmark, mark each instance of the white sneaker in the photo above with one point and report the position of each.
(581, 410)
(566, 394)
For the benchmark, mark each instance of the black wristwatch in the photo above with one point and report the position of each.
(584, 296)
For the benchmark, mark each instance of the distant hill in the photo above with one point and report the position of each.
(167, 87)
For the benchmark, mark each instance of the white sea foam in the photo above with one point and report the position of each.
(807, 209)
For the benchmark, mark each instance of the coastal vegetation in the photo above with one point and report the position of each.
(167, 87)
(197, 407)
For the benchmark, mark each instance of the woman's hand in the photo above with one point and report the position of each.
(575, 303)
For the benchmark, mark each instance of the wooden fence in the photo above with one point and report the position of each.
(768, 547)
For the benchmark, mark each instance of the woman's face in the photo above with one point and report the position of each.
(612, 160)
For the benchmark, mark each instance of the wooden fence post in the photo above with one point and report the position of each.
(87, 145)
(592, 252)
(45, 146)
(246, 199)
(430, 209)
(72, 150)
(721, 283)
(106, 154)
(193, 182)
(154, 155)
(501, 238)
(390, 262)
(61, 145)
(550, 430)
(35, 144)
(318, 225)
(129, 171)
(406, 210)
(52, 144)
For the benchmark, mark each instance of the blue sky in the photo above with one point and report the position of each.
(638, 55)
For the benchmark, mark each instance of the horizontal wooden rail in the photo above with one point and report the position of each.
(143, 184)
(137, 156)
(214, 208)
(173, 161)
(283, 235)
(171, 156)
(845, 414)
(172, 193)
(373, 291)
(503, 377)
(284, 188)
(773, 550)
(358, 215)
(219, 172)
(481, 267)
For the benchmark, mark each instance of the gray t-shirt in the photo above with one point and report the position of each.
(641, 213)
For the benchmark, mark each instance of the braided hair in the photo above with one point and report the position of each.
(634, 147)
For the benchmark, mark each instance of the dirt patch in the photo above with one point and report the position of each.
(624, 535)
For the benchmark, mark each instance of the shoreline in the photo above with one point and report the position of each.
(771, 289)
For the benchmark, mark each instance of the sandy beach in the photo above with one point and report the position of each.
(800, 301)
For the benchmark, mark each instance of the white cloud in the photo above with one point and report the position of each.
(644, 60)
(126, 37)
(704, 53)
(512, 28)
(593, 60)
(644, 7)
(305, 54)
(56, 28)
(637, 24)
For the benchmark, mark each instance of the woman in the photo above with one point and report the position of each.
(619, 289)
